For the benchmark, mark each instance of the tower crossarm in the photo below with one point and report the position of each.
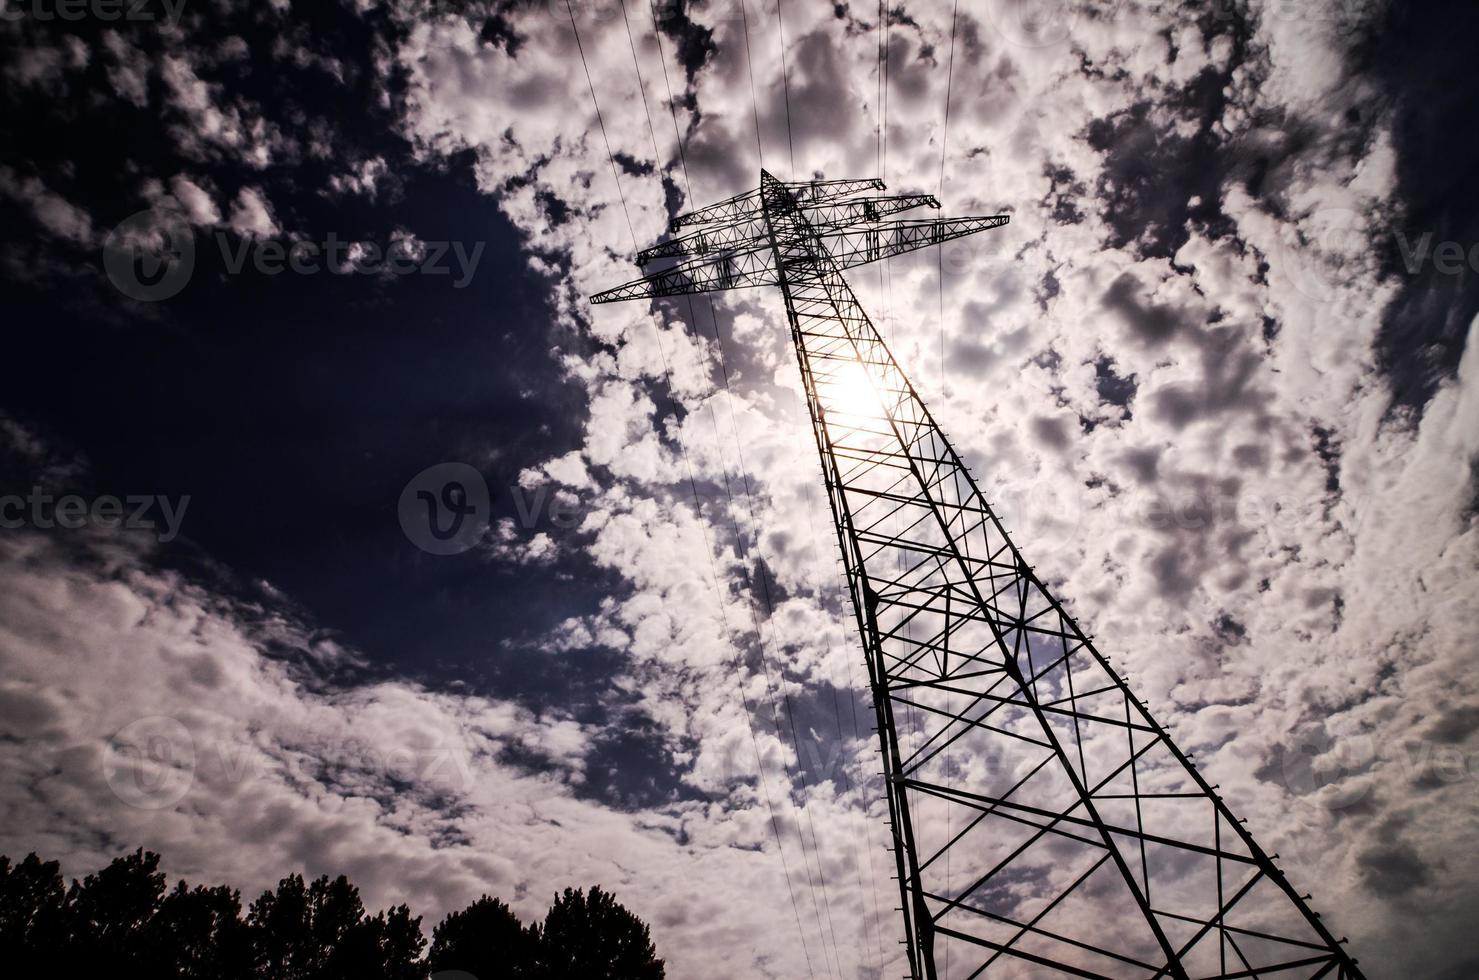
(736, 208)
(751, 261)
(804, 194)
(730, 270)
(750, 230)
(854, 245)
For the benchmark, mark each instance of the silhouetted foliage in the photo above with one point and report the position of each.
(487, 940)
(125, 921)
(320, 931)
(32, 897)
(594, 937)
(201, 934)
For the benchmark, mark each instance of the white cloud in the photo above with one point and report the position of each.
(197, 201)
(58, 216)
(251, 216)
(269, 772)
(128, 69)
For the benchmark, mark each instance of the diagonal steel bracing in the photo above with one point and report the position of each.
(1043, 823)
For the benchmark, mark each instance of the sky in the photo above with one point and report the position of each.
(1216, 375)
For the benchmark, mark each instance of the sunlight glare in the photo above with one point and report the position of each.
(850, 393)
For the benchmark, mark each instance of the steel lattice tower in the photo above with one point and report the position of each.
(1043, 823)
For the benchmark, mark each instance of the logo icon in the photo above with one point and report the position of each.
(150, 763)
(444, 509)
(150, 256)
(1312, 252)
(1320, 769)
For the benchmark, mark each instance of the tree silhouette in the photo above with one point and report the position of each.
(32, 899)
(596, 938)
(125, 921)
(200, 933)
(108, 916)
(486, 940)
(320, 932)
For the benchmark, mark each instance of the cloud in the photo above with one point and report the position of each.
(251, 216)
(198, 204)
(55, 214)
(128, 69)
(1278, 557)
(243, 765)
(1216, 507)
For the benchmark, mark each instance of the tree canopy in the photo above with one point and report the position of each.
(126, 920)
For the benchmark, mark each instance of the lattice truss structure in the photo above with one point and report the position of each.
(1043, 823)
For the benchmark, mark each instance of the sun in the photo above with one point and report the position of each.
(850, 393)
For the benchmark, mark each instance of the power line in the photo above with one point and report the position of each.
(641, 85)
(878, 101)
(940, 188)
(940, 287)
(847, 787)
(602, 121)
(786, 86)
(672, 108)
(698, 512)
(604, 138)
(735, 431)
(744, 474)
(795, 741)
(750, 67)
(949, 81)
(883, 31)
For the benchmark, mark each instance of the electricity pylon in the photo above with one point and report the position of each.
(1043, 823)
